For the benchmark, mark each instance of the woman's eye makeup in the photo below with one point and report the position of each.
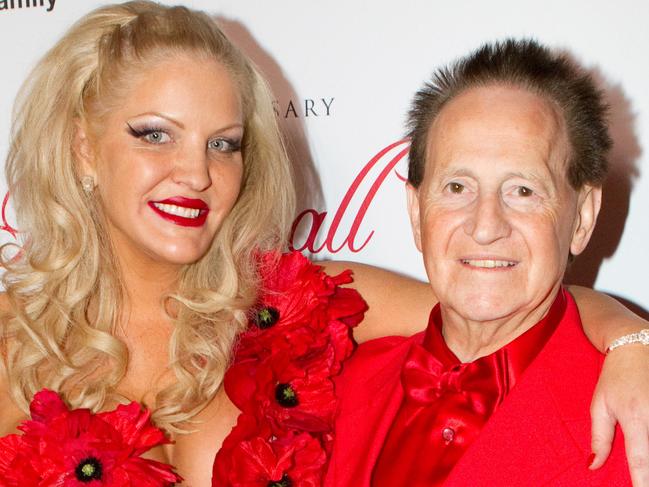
(224, 144)
(158, 135)
(149, 133)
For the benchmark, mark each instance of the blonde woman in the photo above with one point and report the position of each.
(146, 170)
(148, 174)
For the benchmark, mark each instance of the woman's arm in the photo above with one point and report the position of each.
(604, 319)
(399, 305)
(622, 393)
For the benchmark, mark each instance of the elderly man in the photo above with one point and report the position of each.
(507, 160)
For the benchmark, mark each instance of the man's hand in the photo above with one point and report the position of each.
(622, 395)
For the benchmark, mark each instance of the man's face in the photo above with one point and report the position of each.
(495, 216)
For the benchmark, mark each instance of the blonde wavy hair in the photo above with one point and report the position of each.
(65, 293)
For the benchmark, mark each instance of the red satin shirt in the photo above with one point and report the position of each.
(446, 402)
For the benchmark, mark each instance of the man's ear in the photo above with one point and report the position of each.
(413, 210)
(590, 201)
(83, 152)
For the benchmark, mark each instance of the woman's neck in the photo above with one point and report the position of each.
(145, 279)
(145, 282)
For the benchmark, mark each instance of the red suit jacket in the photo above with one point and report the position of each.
(540, 435)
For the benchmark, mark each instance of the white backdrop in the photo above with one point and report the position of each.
(343, 73)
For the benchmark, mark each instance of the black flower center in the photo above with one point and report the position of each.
(266, 317)
(284, 482)
(286, 395)
(88, 469)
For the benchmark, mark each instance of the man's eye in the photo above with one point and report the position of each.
(524, 191)
(456, 188)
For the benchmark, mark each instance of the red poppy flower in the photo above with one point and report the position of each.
(247, 428)
(282, 376)
(292, 460)
(295, 285)
(75, 448)
(296, 397)
(15, 469)
(296, 297)
(346, 304)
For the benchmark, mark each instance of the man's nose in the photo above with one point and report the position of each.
(488, 220)
(192, 168)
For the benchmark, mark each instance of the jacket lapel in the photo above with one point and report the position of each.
(365, 417)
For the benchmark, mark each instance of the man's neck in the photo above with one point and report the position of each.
(469, 340)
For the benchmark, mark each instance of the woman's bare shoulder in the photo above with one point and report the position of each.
(398, 305)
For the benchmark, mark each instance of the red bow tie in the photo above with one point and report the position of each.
(425, 379)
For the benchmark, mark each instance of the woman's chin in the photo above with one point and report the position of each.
(178, 255)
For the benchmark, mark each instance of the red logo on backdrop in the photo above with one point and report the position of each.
(351, 239)
(5, 226)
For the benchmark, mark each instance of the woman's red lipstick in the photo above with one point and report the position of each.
(182, 202)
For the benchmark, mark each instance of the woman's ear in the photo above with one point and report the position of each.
(83, 152)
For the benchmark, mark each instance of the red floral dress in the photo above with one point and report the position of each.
(59, 447)
(282, 377)
(281, 380)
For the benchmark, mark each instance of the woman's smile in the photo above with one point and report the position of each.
(186, 212)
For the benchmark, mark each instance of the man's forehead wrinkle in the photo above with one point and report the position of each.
(541, 130)
(543, 113)
(536, 175)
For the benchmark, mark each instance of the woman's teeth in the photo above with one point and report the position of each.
(178, 210)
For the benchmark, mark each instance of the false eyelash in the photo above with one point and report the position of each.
(235, 144)
(143, 131)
